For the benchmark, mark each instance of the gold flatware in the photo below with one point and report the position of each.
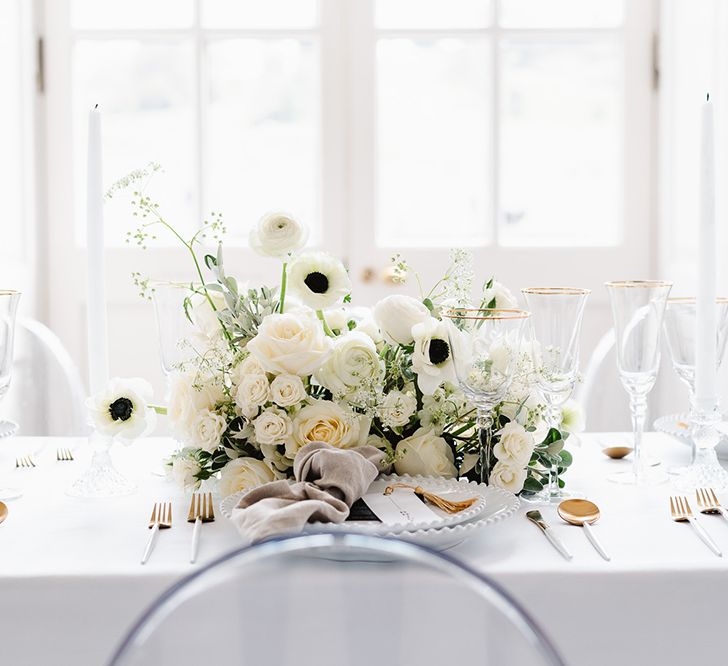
(537, 519)
(161, 519)
(3, 511)
(24, 461)
(201, 511)
(63, 455)
(448, 506)
(681, 512)
(617, 452)
(583, 513)
(708, 502)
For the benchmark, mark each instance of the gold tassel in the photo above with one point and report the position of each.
(440, 502)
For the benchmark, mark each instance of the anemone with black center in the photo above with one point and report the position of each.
(121, 409)
(317, 282)
(439, 351)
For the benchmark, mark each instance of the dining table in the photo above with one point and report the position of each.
(71, 582)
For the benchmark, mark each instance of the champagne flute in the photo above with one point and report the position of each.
(555, 325)
(8, 309)
(638, 307)
(485, 344)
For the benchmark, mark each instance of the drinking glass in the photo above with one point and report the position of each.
(8, 309)
(680, 331)
(485, 345)
(638, 307)
(173, 327)
(555, 325)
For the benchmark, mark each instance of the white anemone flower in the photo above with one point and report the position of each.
(431, 356)
(318, 279)
(122, 409)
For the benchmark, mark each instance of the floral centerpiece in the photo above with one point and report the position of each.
(272, 368)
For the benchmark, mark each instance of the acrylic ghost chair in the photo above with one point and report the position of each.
(343, 600)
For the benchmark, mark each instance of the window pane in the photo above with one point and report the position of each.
(259, 13)
(433, 142)
(145, 94)
(112, 14)
(261, 129)
(561, 143)
(433, 13)
(560, 13)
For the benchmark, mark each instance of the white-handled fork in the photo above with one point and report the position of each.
(201, 511)
(161, 519)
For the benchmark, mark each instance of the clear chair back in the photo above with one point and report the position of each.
(336, 600)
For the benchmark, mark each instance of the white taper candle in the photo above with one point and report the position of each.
(98, 356)
(705, 353)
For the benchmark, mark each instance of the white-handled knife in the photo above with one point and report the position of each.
(536, 518)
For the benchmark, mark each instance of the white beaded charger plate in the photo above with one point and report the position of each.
(493, 506)
(677, 425)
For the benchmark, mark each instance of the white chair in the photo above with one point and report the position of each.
(47, 394)
(336, 600)
(585, 388)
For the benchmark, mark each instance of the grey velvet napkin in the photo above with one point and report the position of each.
(328, 481)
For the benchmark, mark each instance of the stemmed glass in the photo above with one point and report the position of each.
(680, 331)
(485, 345)
(8, 309)
(555, 324)
(638, 307)
(173, 327)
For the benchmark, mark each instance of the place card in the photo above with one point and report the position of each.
(402, 506)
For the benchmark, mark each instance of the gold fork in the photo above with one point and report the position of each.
(64, 454)
(24, 461)
(161, 519)
(708, 502)
(681, 512)
(201, 511)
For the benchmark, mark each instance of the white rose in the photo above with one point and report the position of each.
(278, 234)
(515, 445)
(397, 314)
(273, 426)
(185, 468)
(248, 366)
(397, 409)
(207, 430)
(204, 316)
(573, 419)
(244, 474)
(254, 390)
(122, 409)
(326, 421)
(287, 390)
(318, 279)
(290, 344)
(503, 296)
(508, 477)
(432, 357)
(425, 453)
(188, 395)
(354, 361)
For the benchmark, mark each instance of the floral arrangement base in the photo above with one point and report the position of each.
(101, 480)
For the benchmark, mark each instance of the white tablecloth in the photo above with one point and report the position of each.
(71, 582)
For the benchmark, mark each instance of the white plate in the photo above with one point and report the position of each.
(499, 505)
(452, 489)
(676, 425)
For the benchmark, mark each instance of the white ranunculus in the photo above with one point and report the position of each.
(289, 343)
(573, 419)
(287, 390)
(318, 279)
(189, 394)
(515, 445)
(397, 314)
(354, 361)
(326, 421)
(207, 430)
(244, 474)
(204, 316)
(503, 296)
(277, 235)
(185, 468)
(122, 409)
(425, 453)
(397, 409)
(508, 477)
(254, 390)
(273, 426)
(432, 358)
